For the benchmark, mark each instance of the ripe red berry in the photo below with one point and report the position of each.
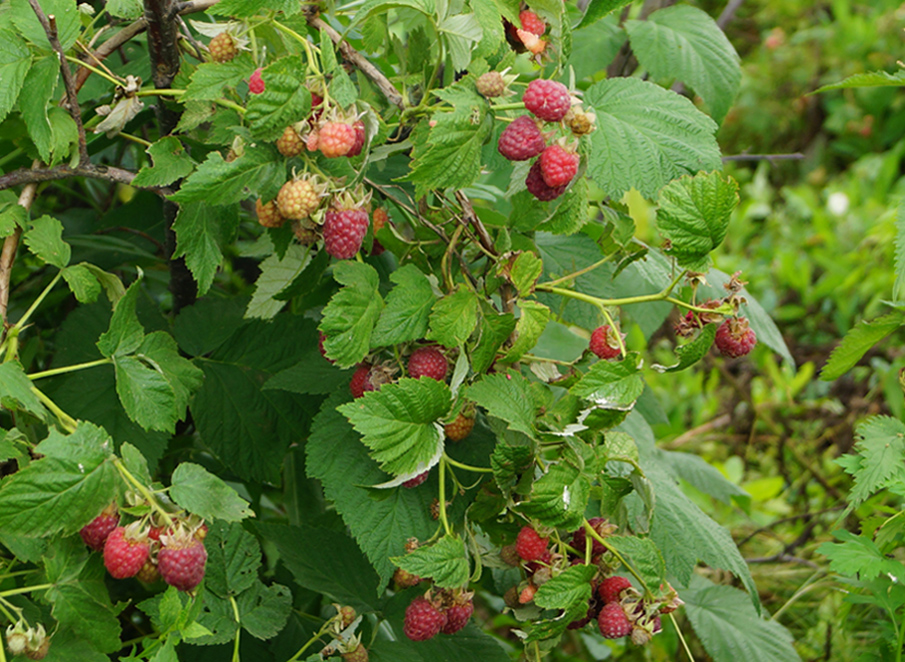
(613, 622)
(460, 428)
(344, 230)
(428, 362)
(320, 346)
(336, 139)
(360, 382)
(602, 344)
(181, 562)
(547, 99)
(423, 620)
(124, 555)
(537, 187)
(359, 654)
(735, 337)
(297, 199)
(223, 47)
(417, 480)
(611, 588)
(600, 524)
(558, 166)
(532, 22)
(256, 83)
(95, 532)
(360, 137)
(490, 85)
(521, 140)
(269, 214)
(457, 617)
(529, 545)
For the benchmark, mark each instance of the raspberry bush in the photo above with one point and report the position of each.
(306, 249)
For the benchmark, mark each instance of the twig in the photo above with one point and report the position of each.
(8, 255)
(718, 422)
(475, 222)
(728, 13)
(72, 101)
(360, 62)
(782, 558)
(108, 173)
(764, 157)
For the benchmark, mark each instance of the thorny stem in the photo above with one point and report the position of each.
(37, 302)
(67, 421)
(68, 368)
(682, 637)
(142, 490)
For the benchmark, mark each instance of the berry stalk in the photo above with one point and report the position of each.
(144, 491)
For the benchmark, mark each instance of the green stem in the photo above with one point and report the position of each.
(518, 105)
(317, 635)
(11, 156)
(682, 637)
(901, 639)
(531, 358)
(67, 421)
(609, 319)
(226, 103)
(591, 531)
(312, 63)
(443, 519)
(722, 310)
(466, 467)
(135, 139)
(24, 589)
(37, 302)
(143, 491)
(235, 605)
(93, 69)
(69, 368)
(580, 272)
(5, 608)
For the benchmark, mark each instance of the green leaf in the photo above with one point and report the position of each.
(159, 351)
(247, 8)
(692, 352)
(40, 81)
(15, 390)
(233, 559)
(202, 230)
(525, 272)
(311, 375)
(12, 214)
(170, 162)
(644, 557)
(113, 286)
(872, 79)
(82, 282)
(509, 463)
(350, 316)
(506, 397)
(684, 43)
(200, 492)
(45, 239)
(695, 470)
(493, 331)
(444, 562)
(531, 324)
(276, 275)
(454, 317)
(858, 341)
(145, 394)
(263, 610)
(208, 323)
(285, 101)
(209, 79)
(488, 16)
(219, 182)
(857, 556)
(597, 9)
(131, 9)
(694, 216)
(67, 18)
(612, 384)
(462, 31)
(407, 310)
(898, 289)
(559, 497)
(15, 61)
(880, 446)
(136, 463)
(565, 590)
(341, 87)
(731, 629)
(646, 150)
(399, 423)
(571, 213)
(125, 333)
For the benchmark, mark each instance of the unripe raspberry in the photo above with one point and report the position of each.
(537, 187)
(358, 654)
(124, 555)
(360, 137)
(613, 622)
(417, 480)
(148, 573)
(346, 616)
(94, 534)
(460, 428)
(379, 218)
(428, 362)
(256, 82)
(290, 143)
(269, 214)
(336, 139)
(344, 231)
(405, 579)
(610, 589)
(511, 597)
(510, 556)
(603, 343)
(423, 620)
(298, 198)
(558, 166)
(181, 561)
(547, 99)
(223, 47)
(735, 337)
(529, 545)
(527, 594)
(305, 234)
(490, 85)
(580, 122)
(532, 22)
(521, 140)
(531, 41)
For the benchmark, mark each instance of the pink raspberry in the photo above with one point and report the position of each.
(602, 343)
(360, 138)
(344, 231)
(336, 139)
(428, 362)
(423, 620)
(529, 545)
(94, 533)
(360, 382)
(256, 83)
(537, 187)
(521, 140)
(558, 166)
(532, 22)
(613, 622)
(417, 480)
(547, 99)
(457, 617)
(181, 563)
(124, 555)
(735, 337)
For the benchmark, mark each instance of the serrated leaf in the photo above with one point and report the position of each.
(399, 422)
(136, 463)
(209, 79)
(597, 9)
(488, 15)
(263, 610)
(898, 287)
(694, 216)
(67, 19)
(255, 7)
(276, 274)
(881, 448)
(692, 352)
(444, 562)
(125, 8)
(40, 81)
(857, 556)
(125, 333)
(82, 282)
(352, 313)
(159, 351)
(15, 390)
(509, 463)
(233, 559)
(612, 384)
(646, 150)
(45, 239)
(644, 557)
(506, 397)
(200, 492)
(531, 324)
(525, 272)
(283, 102)
(12, 216)
(453, 318)
(684, 43)
(559, 497)
(169, 163)
(572, 212)
(219, 182)
(871, 79)
(572, 586)
(493, 331)
(145, 394)
(407, 310)
(201, 232)
(700, 474)
(858, 341)
(462, 31)
(15, 61)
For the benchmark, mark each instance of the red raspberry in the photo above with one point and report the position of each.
(336, 139)
(269, 214)
(181, 562)
(290, 143)
(735, 337)
(344, 230)
(428, 362)
(360, 382)
(529, 545)
(297, 199)
(490, 85)
(602, 344)
(537, 187)
(95, 532)
(360, 654)
(223, 47)
(405, 579)
(360, 137)
(558, 166)
(457, 617)
(124, 556)
(580, 536)
(613, 622)
(423, 620)
(459, 428)
(611, 587)
(321, 337)
(547, 99)
(417, 480)
(532, 22)
(256, 83)
(521, 140)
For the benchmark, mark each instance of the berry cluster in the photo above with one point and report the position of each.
(734, 336)
(437, 612)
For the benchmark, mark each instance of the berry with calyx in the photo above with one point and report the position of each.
(510, 555)
(223, 47)
(428, 362)
(457, 616)
(491, 84)
(417, 480)
(125, 552)
(148, 573)
(558, 166)
(735, 337)
(613, 622)
(336, 139)
(599, 524)
(521, 140)
(299, 197)
(531, 41)
(604, 343)
(344, 231)
(269, 214)
(610, 589)
(537, 187)
(460, 428)
(360, 137)
(404, 579)
(360, 381)
(346, 616)
(359, 654)
(94, 533)
(547, 99)
(532, 22)
(580, 122)
(181, 560)
(529, 545)
(290, 143)
(39, 652)
(423, 620)
(256, 83)
(380, 218)
(527, 594)
(305, 233)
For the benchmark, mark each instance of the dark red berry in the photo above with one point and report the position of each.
(613, 622)
(95, 532)
(580, 536)
(735, 337)
(611, 588)
(423, 620)
(417, 480)
(529, 545)
(124, 555)
(321, 337)
(538, 187)
(181, 562)
(547, 99)
(428, 362)
(602, 344)
(360, 137)
(344, 230)
(521, 140)
(457, 617)
(360, 381)
(558, 166)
